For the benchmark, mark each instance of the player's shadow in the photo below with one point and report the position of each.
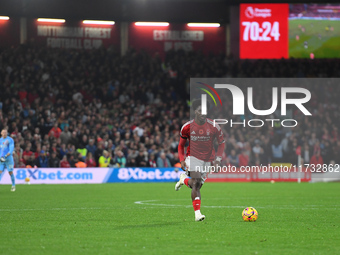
(153, 225)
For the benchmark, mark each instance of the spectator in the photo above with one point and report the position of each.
(132, 163)
(80, 161)
(64, 163)
(174, 160)
(292, 157)
(55, 131)
(47, 126)
(71, 160)
(141, 160)
(62, 151)
(120, 160)
(53, 148)
(233, 159)
(42, 161)
(91, 147)
(152, 162)
(316, 160)
(104, 160)
(71, 149)
(312, 140)
(243, 158)
(83, 142)
(305, 153)
(277, 152)
(74, 139)
(17, 157)
(54, 161)
(65, 135)
(99, 152)
(257, 148)
(90, 162)
(163, 161)
(82, 151)
(28, 156)
(326, 152)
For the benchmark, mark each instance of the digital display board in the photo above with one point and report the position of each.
(264, 31)
(314, 30)
(272, 31)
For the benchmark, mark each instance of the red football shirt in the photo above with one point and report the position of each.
(201, 139)
(26, 153)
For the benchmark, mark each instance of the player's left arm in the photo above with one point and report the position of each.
(11, 147)
(221, 146)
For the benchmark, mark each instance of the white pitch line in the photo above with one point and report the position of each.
(53, 209)
(147, 202)
(305, 207)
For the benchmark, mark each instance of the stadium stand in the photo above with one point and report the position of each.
(85, 105)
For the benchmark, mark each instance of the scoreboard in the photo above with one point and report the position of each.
(264, 31)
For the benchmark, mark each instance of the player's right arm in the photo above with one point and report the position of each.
(181, 156)
(184, 133)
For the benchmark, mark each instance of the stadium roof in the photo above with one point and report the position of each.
(126, 10)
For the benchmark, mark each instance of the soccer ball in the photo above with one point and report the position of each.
(249, 214)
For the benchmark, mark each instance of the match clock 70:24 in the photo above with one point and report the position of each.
(265, 31)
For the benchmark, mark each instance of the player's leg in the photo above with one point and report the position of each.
(9, 166)
(195, 166)
(2, 167)
(183, 177)
(195, 182)
(193, 174)
(181, 181)
(12, 179)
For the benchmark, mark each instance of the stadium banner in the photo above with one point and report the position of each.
(146, 174)
(91, 175)
(177, 37)
(136, 174)
(57, 175)
(73, 35)
(264, 31)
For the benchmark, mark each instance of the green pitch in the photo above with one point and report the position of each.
(105, 219)
(322, 37)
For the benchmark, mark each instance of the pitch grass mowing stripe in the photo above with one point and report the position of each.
(104, 219)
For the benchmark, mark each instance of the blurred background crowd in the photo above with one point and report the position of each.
(74, 108)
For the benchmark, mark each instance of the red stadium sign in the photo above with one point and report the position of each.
(73, 35)
(264, 31)
(177, 37)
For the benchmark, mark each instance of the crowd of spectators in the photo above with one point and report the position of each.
(73, 108)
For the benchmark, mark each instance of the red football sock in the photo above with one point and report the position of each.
(186, 181)
(196, 204)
